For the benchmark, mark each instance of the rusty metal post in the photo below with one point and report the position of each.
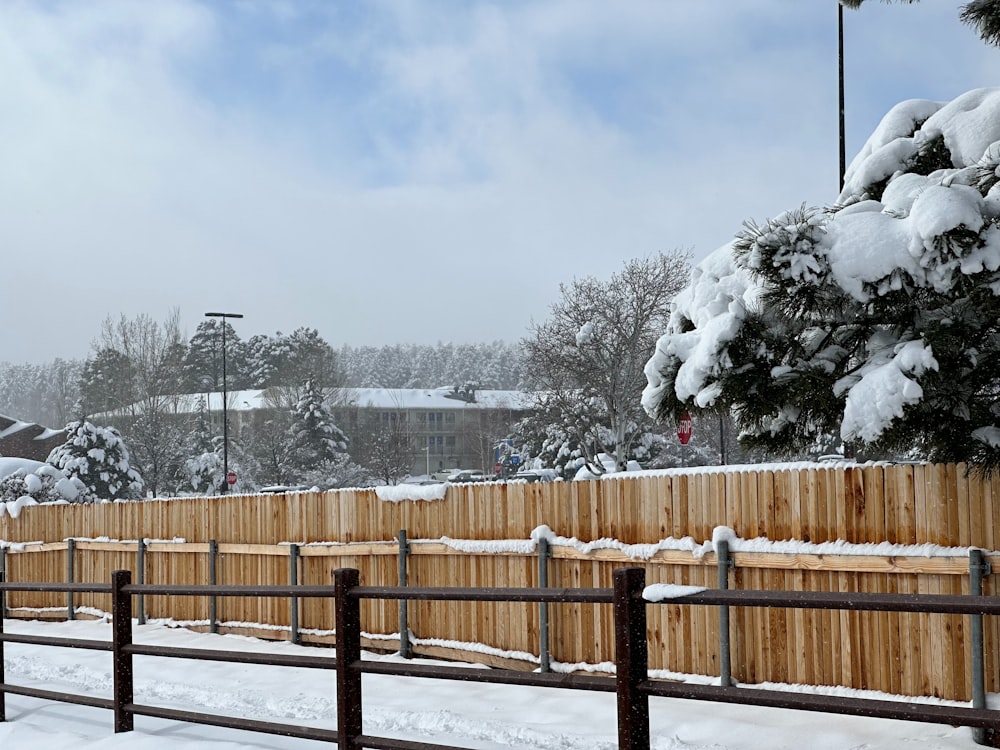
(121, 636)
(348, 624)
(631, 659)
(405, 647)
(70, 606)
(293, 580)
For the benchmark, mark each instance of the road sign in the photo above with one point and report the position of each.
(684, 428)
(231, 478)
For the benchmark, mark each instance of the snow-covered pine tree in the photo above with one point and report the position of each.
(99, 458)
(203, 467)
(878, 319)
(315, 436)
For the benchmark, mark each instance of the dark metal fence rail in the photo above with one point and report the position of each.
(940, 678)
(631, 682)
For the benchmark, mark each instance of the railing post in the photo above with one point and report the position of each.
(121, 636)
(3, 577)
(70, 553)
(405, 647)
(140, 565)
(293, 580)
(348, 624)
(725, 665)
(3, 613)
(213, 558)
(978, 567)
(631, 659)
(543, 607)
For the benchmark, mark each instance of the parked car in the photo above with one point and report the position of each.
(535, 475)
(466, 476)
(421, 481)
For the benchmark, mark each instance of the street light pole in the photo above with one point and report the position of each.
(225, 398)
(840, 85)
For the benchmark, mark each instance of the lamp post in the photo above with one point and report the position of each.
(225, 398)
(840, 85)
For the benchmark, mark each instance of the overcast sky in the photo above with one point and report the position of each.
(424, 171)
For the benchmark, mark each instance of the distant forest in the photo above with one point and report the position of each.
(51, 393)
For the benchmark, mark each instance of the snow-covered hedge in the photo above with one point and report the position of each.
(32, 482)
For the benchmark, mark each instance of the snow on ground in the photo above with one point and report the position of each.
(477, 716)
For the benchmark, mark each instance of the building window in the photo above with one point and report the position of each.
(435, 445)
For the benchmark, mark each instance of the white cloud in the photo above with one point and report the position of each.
(399, 171)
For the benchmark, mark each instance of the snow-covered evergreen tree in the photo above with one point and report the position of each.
(99, 458)
(878, 319)
(315, 437)
(336, 472)
(44, 394)
(497, 365)
(203, 468)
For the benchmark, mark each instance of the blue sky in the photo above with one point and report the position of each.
(415, 171)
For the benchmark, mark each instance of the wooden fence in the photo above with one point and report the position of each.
(915, 654)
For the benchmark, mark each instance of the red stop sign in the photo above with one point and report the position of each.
(684, 428)
(231, 478)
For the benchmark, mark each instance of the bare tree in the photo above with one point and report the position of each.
(483, 431)
(386, 449)
(382, 441)
(135, 374)
(587, 359)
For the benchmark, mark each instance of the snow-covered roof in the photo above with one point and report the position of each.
(17, 426)
(10, 464)
(370, 398)
(435, 398)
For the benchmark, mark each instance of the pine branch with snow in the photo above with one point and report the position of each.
(878, 320)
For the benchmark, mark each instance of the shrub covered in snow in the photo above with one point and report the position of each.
(44, 484)
(99, 458)
(878, 319)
